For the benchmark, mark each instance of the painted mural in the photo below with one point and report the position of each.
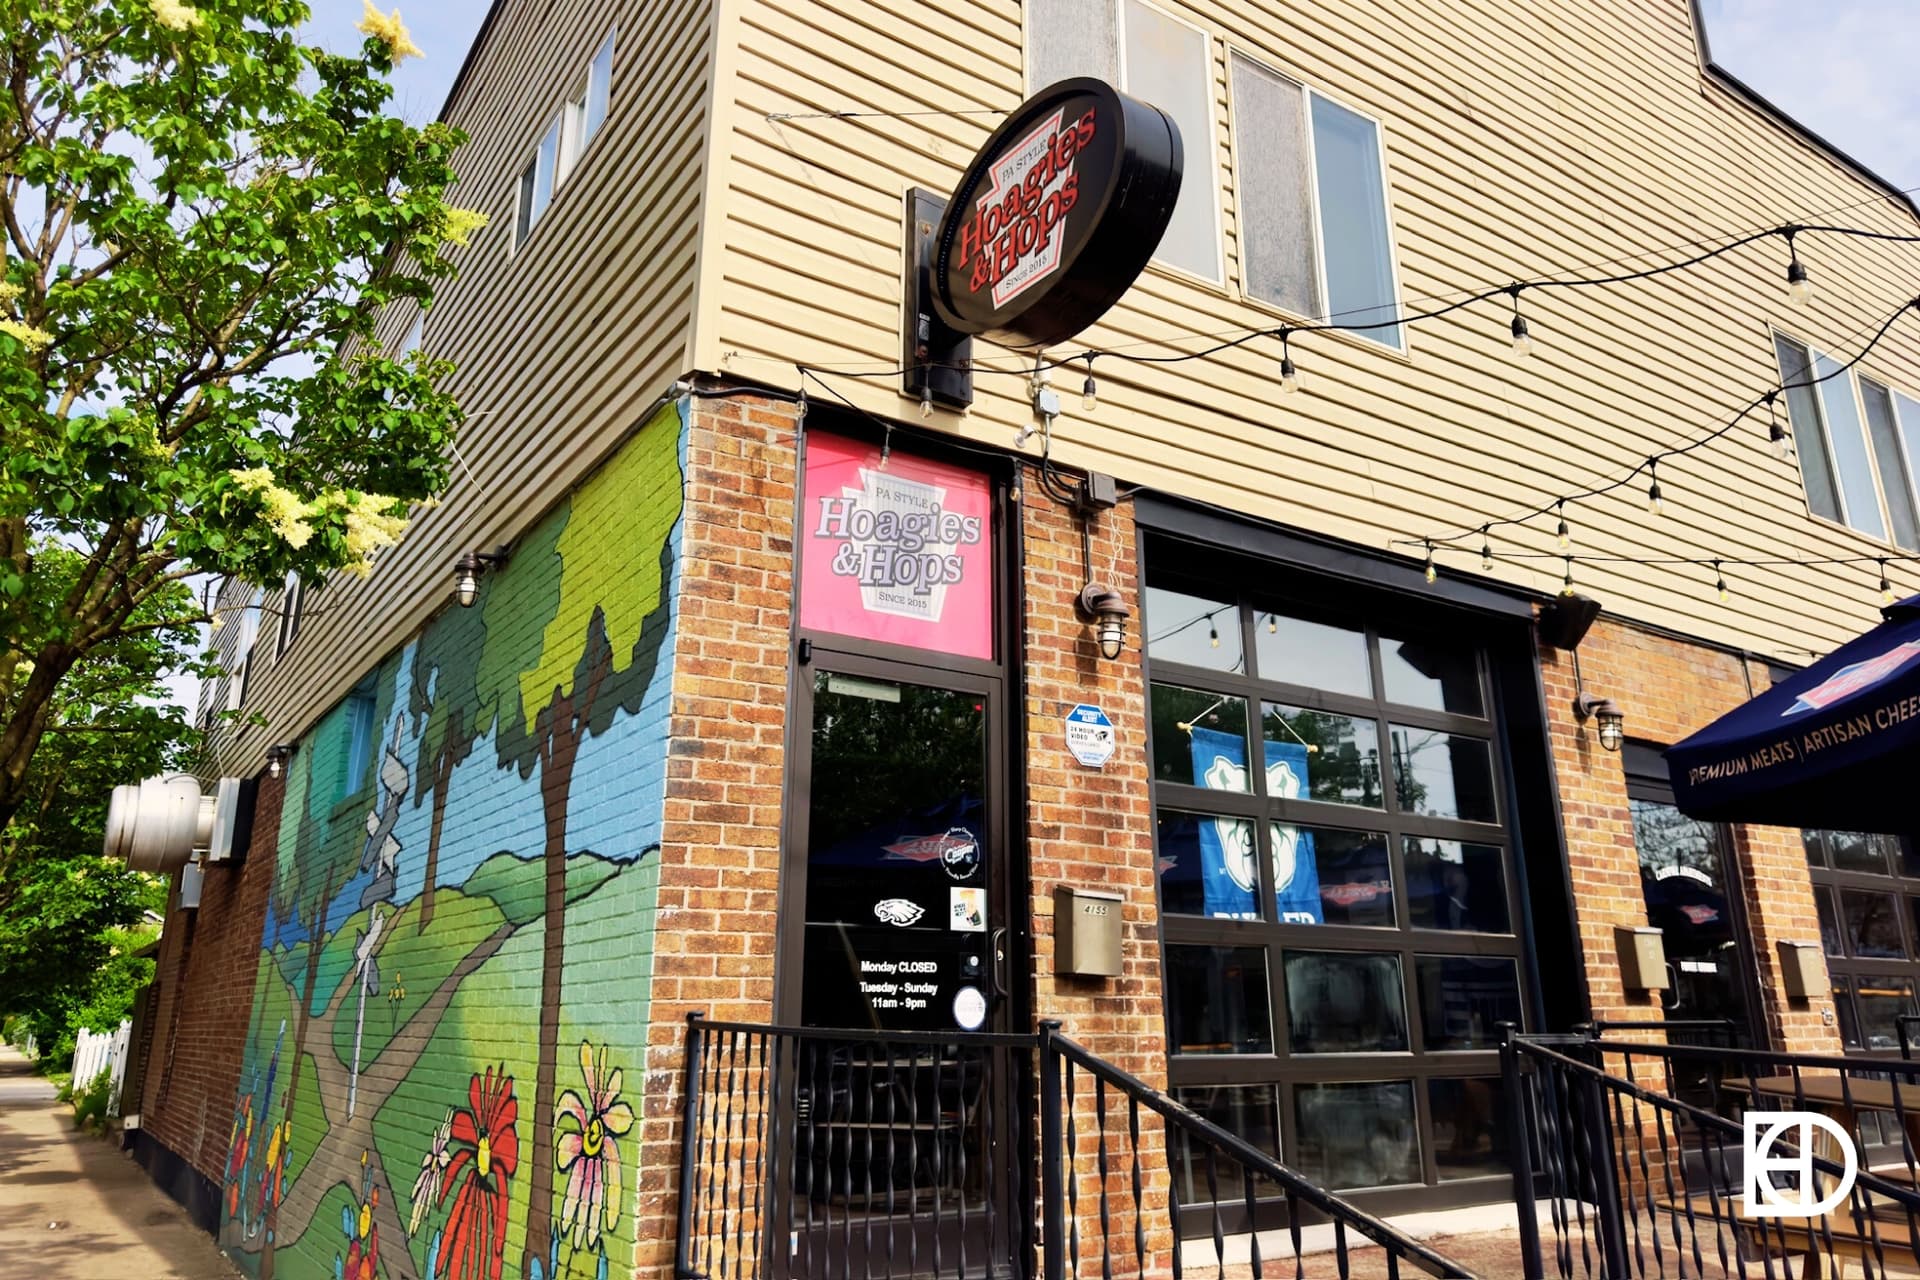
(442, 1077)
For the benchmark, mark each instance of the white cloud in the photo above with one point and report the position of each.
(1843, 69)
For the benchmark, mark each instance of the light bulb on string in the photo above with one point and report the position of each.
(1720, 583)
(1089, 394)
(1289, 375)
(1431, 572)
(1779, 439)
(1565, 537)
(1566, 583)
(926, 400)
(1799, 283)
(1522, 340)
(1655, 503)
(1273, 625)
(1486, 550)
(1886, 588)
(1213, 633)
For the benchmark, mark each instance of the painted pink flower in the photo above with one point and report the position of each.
(584, 1149)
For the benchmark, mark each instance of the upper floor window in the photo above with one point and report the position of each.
(1313, 204)
(564, 142)
(246, 632)
(1314, 233)
(1855, 438)
(1159, 59)
(291, 598)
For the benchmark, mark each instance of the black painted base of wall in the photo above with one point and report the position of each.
(196, 1192)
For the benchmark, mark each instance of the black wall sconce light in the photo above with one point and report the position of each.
(469, 569)
(1612, 721)
(277, 756)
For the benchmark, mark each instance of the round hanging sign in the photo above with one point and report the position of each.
(1057, 215)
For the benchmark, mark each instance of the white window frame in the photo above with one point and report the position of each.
(1218, 279)
(245, 640)
(1852, 375)
(1308, 93)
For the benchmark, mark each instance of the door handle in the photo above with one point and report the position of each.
(997, 943)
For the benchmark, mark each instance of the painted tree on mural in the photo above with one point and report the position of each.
(603, 591)
(445, 703)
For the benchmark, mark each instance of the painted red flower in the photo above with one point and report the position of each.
(486, 1150)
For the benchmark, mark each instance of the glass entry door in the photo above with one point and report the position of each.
(1691, 885)
(902, 1150)
(902, 848)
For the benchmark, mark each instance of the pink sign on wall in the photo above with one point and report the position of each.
(900, 553)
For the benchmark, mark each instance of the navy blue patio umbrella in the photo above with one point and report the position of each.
(1836, 745)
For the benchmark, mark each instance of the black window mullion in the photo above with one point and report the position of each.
(1283, 1070)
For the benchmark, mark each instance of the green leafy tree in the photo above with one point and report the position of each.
(65, 960)
(200, 221)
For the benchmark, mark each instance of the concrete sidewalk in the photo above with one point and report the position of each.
(71, 1205)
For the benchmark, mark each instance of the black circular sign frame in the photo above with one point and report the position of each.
(1057, 215)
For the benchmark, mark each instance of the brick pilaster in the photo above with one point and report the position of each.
(1093, 828)
(720, 847)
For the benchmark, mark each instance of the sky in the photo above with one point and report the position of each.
(1843, 68)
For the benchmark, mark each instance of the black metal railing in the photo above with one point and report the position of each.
(831, 1153)
(1638, 1149)
(1094, 1142)
(828, 1153)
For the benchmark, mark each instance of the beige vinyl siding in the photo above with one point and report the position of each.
(1572, 135)
(560, 345)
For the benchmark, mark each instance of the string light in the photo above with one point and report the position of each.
(1432, 573)
(1601, 488)
(1486, 550)
(1089, 395)
(1566, 583)
(926, 399)
(1213, 633)
(1273, 625)
(1289, 375)
(1886, 587)
(1654, 502)
(1779, 439)
(1522, 340)
(1720, 583)
(1799, 284)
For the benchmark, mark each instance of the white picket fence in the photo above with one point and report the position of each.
(98, 1051)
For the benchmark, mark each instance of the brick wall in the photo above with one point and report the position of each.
(199, 1019)
(1667, 689)
(1093, 829)
(720, 848)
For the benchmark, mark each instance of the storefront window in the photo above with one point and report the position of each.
(1866, 889)
(1339, 920)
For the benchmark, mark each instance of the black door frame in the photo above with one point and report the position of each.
(790, 938)
(1646, 779)
(1006, 743)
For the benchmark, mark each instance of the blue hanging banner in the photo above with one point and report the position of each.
(1229, 855)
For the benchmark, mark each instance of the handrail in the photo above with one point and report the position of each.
(1589, 1125)
(1256, 1160)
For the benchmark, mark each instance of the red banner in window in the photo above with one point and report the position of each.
(898, 551)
